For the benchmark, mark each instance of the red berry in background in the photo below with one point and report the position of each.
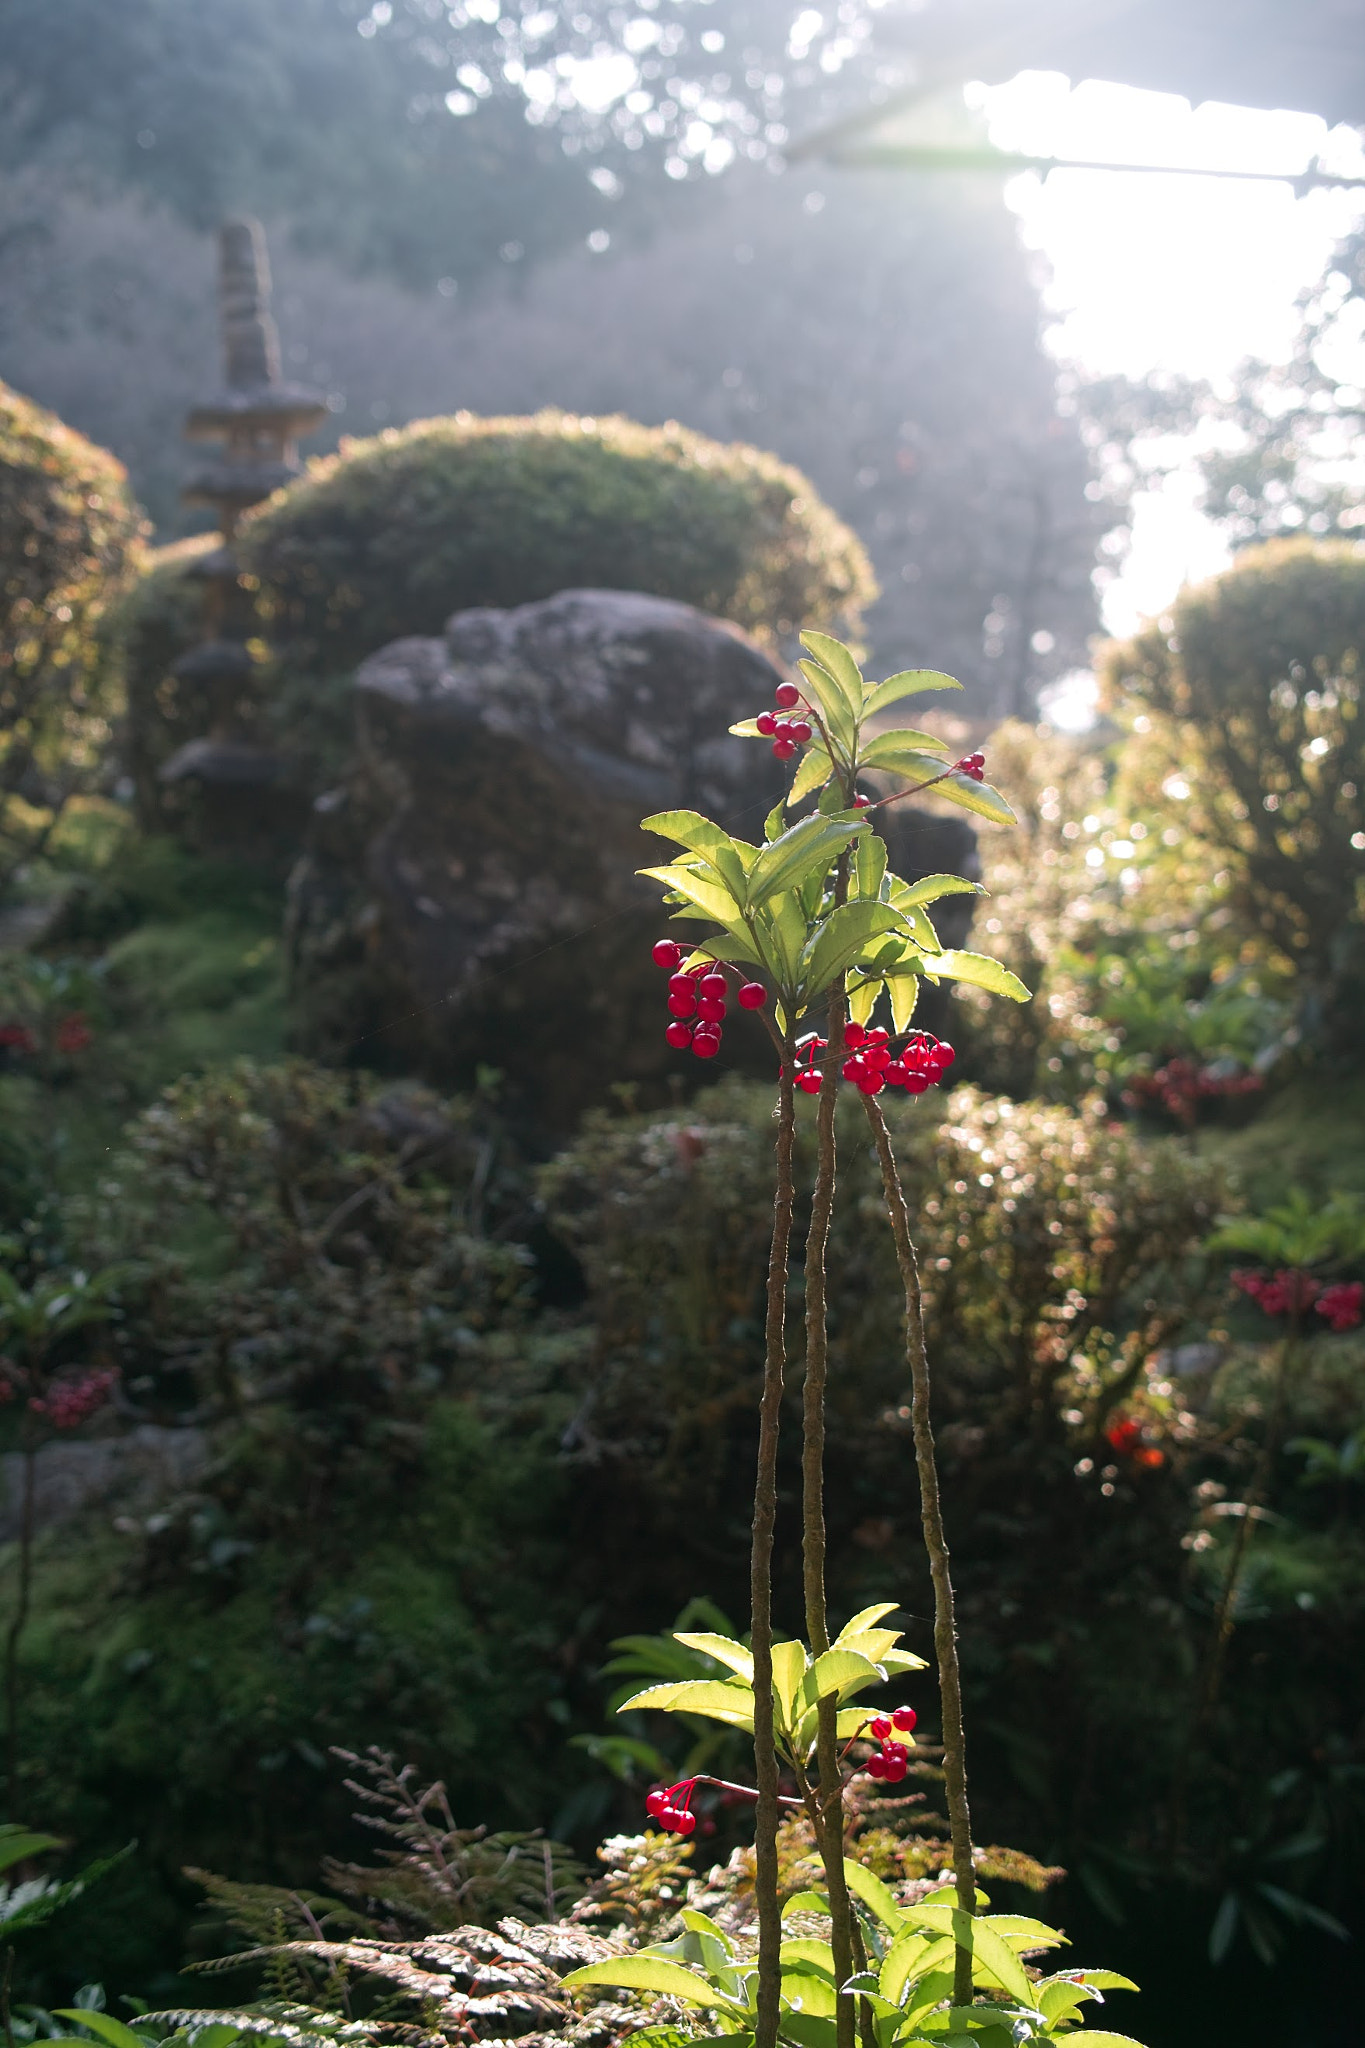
(800, 731)
(905, 1718)
(881, 1728)
(683, 1005)
(809, 1083)
(752, 996)
(784, 749)
(679, 1034)
(73, 1034)
(875, 1767)
(854, 1034)
(714, 985)
(766, 724)
(711, 1010)
(667, 953)
(787, 694)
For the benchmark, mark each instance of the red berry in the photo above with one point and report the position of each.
(881, 1728)
(682, 985)
(706, 1044)
(766, 724)
(917, 1083)
(861, 802)
(854, 1034)
(800, 731)
(809, 1082)
(752, 996)
(895, 1752)
(784, 749)
(714, 985)
(875, 1767)
(679, 1034)
(877, 1034)
(877, 1057)
(944, 1053)
(684, 1823)
(870, 1082)
(656, 1802)
(667, 953)
(896, 1075)
(853, 1068)
(787, 694)
(710, 1010)
(683, 1004)
(894, 1770)
(905, 1719)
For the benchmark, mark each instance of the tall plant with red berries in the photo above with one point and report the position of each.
(813, 925)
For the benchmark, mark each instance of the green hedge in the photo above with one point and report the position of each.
(392, 535)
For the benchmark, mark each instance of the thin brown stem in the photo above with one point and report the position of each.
(829, 1823)
(936, 1543)
(761, 1567)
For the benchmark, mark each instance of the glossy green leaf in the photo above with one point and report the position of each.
(903, 1660)
(808, 2029)
(976, 796)
(926, 938)
(733, 1704)
(910, 682)
(808, 1991)
(835, 1672)
(869, 866)
(724, 1649)
(782, 926)
(702, 1923)
(835, 658)
(726, 946)
(874, 1894)
(903, 990)
(887, 749)
(747, 729)
(993, 1960)
(690, 829)
(1019, 1930)
(912, 1955)
(833, 706)
(710, 896)
(774, 825)
(805, 1902)
(850, 1721)
(931, 887)
(979, 971)
(808, 1949)
(1094, 2037)
(864, 1619)
(789, 1668)
(809, 847)
(841, 939)
(1108, 1980)
(648, 1973)
(917, 767)
(862, 1001)
(813, 771)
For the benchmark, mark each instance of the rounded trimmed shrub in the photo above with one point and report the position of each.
(70, 533)
(392, 535)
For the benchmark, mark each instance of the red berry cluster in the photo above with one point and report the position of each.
(73, 1033)
(893, 1761)
(17, 1038)
(671, 1812)
(1125, 1437)
(72, 1401)
(1290, 1291)
(786, 734)
(870, 1066)
(808, 1076)
(973, 765)
(697, 1000)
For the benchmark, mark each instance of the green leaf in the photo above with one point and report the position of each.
(833, 709)
(917, 768)
(869, 865)
(903, 990)
(873, 1893)
(931, 887)
(1108, 1980)
(1093, 2038)
(647, 1973)
(813, 772)
(843, 936)
(835, 1671)
(805, 1902)
(690, 829)
(17, 1842)
(781, 929)
(887, 749)
(702, 1923)
(773, 824)
(912, 1955)
(976, 796)
(104, 2025)
(711, 898)
(904, 1660)
(724, 1649)
(909, 683)
(726, 946)
(809, 847)
(836, 660)
(733, 1704)
(849, 1721)
(993, 1958)
(808, 1949)
(926, 938)
(811, 1989)
(747, 729)
(864, 1619)
(862, 1001)
(980, 971)
(789, 1668)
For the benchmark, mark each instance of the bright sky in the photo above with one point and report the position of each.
(1189, 274)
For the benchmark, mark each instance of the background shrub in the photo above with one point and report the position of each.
(1246, 700)
(70, 532)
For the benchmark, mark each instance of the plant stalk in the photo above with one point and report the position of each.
(931, 1514)
(761, 1566)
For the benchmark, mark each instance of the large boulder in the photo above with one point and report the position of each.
(468, 898)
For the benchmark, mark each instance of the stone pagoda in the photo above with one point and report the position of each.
(237, 790)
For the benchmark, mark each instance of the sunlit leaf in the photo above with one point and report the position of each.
(812, 773)
(869, 866)
(865, 1885)
(833, 704)
(844, 935)
(724, 1649)
(710, 897)
(979, 971)
(930, 887)
(810, 847)
(862, 1001)
(864, 1619)
(975, 796)
(649, 1973)
(835, 1671)
(834, 657)
(903, 990)
(909, 683)
(789, 1668)
(887, 749)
